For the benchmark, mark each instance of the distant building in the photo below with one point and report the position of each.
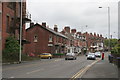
(70, 46)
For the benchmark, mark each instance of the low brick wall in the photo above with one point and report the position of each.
(116, 59)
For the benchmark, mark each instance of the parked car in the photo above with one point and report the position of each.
(70, 56)
(91, 56)
(45, 56)
(97, 54)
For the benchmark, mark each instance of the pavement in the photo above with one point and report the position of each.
(102, 70)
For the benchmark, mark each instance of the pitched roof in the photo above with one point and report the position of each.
(49, 29)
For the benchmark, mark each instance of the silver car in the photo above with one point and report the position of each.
(70, 56)
(91, 56)
(97, 54)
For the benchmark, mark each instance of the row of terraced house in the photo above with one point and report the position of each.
(39, 38)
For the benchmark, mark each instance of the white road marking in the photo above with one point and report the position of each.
(58, 60)
(34, 71)
(12, 77)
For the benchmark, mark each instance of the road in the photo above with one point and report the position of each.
(49, 68)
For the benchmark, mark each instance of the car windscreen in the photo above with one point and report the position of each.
(45, 54)
(69, 54)
(90, 54)
(97, 53)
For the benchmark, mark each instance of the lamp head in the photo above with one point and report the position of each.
(100, 7)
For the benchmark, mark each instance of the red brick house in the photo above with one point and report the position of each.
(11, 20)
(43, 39)
(94, 41)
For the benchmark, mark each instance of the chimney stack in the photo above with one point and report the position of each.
(97, 35)
(31, 24)
(73, 31)
(55, 28)
(44, 24)
(94, 34)
(90, 33)
(67, 29)
(79, 33)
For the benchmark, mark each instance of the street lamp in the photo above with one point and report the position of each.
(108, 27)
(20, 34)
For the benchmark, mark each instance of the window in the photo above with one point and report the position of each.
(35, 38)
(7, 24)
(50, 38)
(11, 5)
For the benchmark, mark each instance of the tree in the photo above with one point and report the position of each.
(116, 50)
(11, 51)
(113, 42)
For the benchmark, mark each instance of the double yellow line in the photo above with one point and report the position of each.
(83, 70)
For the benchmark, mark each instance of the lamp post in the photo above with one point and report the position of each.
(108, 27)
(20, 34)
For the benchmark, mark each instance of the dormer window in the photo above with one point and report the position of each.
(35, 38)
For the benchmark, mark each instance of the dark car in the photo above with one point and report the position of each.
(70, 56)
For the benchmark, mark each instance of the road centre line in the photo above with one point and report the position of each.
(83, 70)
(34, 71)
(58, 60)
(12, 77)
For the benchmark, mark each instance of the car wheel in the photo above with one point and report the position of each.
(49, 57)
(66, 59)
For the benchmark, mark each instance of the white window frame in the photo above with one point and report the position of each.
(35, 38)
(50, 38)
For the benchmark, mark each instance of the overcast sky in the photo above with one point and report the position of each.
(76, 14)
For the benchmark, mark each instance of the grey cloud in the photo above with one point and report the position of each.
(75, 14)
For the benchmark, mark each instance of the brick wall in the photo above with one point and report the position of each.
(5, 12)
(41, 45)
(13, 13)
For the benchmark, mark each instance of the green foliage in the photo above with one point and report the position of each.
(116, 50)
(11, 51)
(113, 42)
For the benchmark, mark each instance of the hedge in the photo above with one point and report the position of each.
(58, 54)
